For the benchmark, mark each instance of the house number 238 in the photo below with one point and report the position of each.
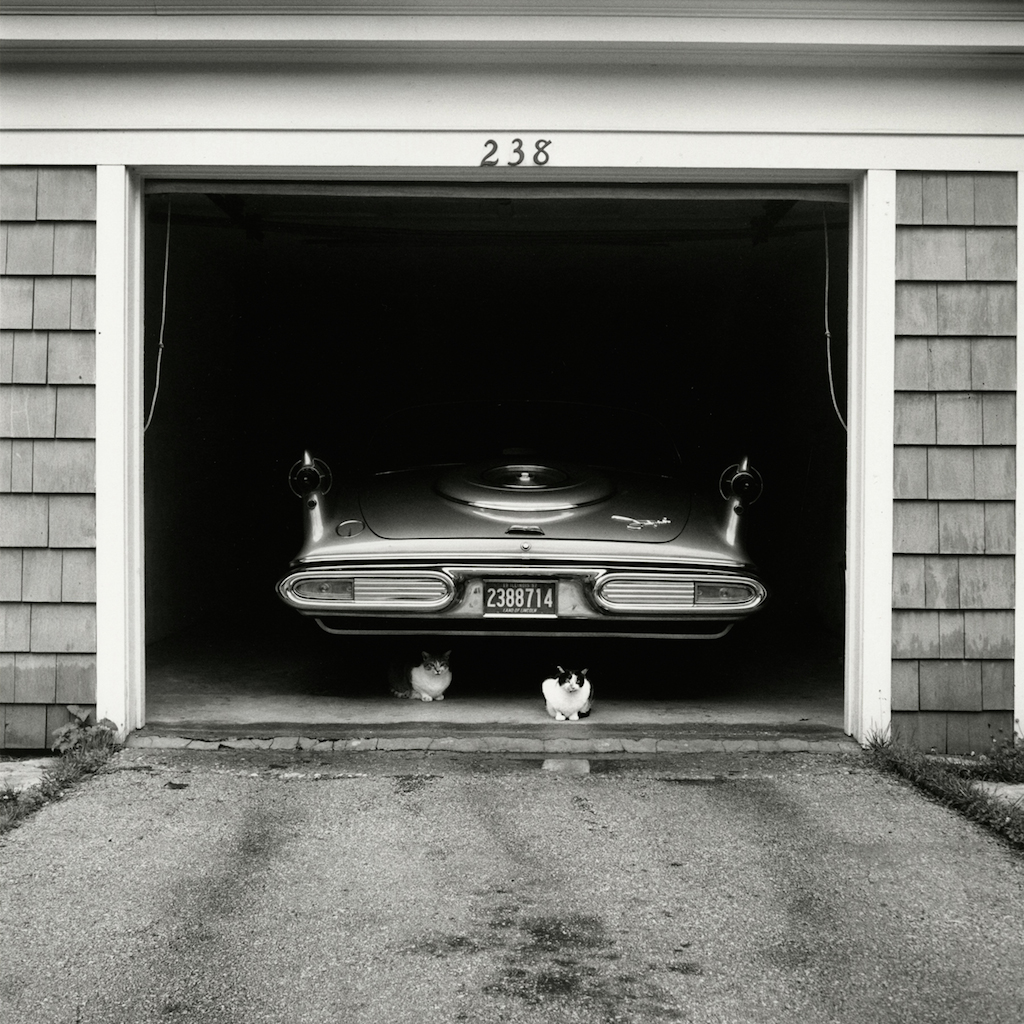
(517, 153)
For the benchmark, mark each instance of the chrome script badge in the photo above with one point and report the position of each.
(639, 524)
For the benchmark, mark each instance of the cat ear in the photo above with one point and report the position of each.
(447, 655)
(561, 671)
(425, 655)
(583, 672)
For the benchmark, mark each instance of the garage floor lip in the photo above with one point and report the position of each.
(580, 739)
(577, 744)
(568, 730)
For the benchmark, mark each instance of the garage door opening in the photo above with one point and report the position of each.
(291, 316)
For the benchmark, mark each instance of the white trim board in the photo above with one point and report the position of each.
(456, 155)
(869, 557)
(120, 577)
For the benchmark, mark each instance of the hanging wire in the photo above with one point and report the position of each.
(828, 333)
(163, 321)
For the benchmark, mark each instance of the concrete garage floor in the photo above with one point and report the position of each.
(293, 680)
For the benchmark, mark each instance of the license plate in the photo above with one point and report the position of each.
(515, 597)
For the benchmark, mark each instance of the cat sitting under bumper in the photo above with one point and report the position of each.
(426, 679)
(568, 696)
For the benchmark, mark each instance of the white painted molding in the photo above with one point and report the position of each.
(119, 540)
(870, 32)
(870, 456)
(926, 10)
(455, 155)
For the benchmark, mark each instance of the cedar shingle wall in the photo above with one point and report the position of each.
(955, 461)
(47, 449)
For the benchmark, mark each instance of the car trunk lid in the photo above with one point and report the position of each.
(440, 504)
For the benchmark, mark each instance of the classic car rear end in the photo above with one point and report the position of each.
(546, 533)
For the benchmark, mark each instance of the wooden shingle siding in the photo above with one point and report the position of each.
(956, 309)
(21, 466)
(76, 678)
(64, 466)
(29, 248)
(78, 576)
(955, 364)
(963, 731)
(959, 199)
(76, 412)
(15, 627)
(71, 357)
(953, 527)
(956, 254)
(49, 575)
(950, 473)
(40, 574)
(11, 561)
(74, 249)
(35, 678)
(51, 303)
(6, 357)
(955, 459)
(6, 463)
(63, 627)
(66, 193)
(6, 679)
(28, 411)
(28, 357)
(47, 449)
(953, 683)
(24, 725)
(24, 520)
(72, 521)
(16, 296)
(18, 189)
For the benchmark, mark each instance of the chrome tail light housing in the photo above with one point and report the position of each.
(675, 593)
(337, 591)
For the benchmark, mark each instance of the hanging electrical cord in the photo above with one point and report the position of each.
(163, 321)
(828, 333)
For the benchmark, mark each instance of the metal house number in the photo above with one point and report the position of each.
(518, 154)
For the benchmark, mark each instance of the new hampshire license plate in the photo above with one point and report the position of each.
(516, 597)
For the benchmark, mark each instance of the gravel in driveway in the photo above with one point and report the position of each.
(380, 887)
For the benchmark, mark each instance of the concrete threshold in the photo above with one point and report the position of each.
(575, 739)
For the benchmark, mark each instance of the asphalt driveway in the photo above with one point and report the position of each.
(380, 887)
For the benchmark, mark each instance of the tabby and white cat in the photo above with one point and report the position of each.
(569, 695)
(425, 679)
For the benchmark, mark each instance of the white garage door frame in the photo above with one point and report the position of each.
(119, 383)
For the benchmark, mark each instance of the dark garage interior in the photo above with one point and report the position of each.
(297, 316)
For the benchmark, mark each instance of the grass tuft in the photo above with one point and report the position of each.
(84, 749)
(951, 780)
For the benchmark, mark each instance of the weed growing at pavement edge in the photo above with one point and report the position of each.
(952, 780)
(83, 749)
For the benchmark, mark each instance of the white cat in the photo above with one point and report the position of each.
(568, 696)
(425, 680)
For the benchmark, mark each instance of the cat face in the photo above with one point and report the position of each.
(436, 664)
(570, 680)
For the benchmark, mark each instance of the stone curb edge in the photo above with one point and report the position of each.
(501, 744)
(1009, 793)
